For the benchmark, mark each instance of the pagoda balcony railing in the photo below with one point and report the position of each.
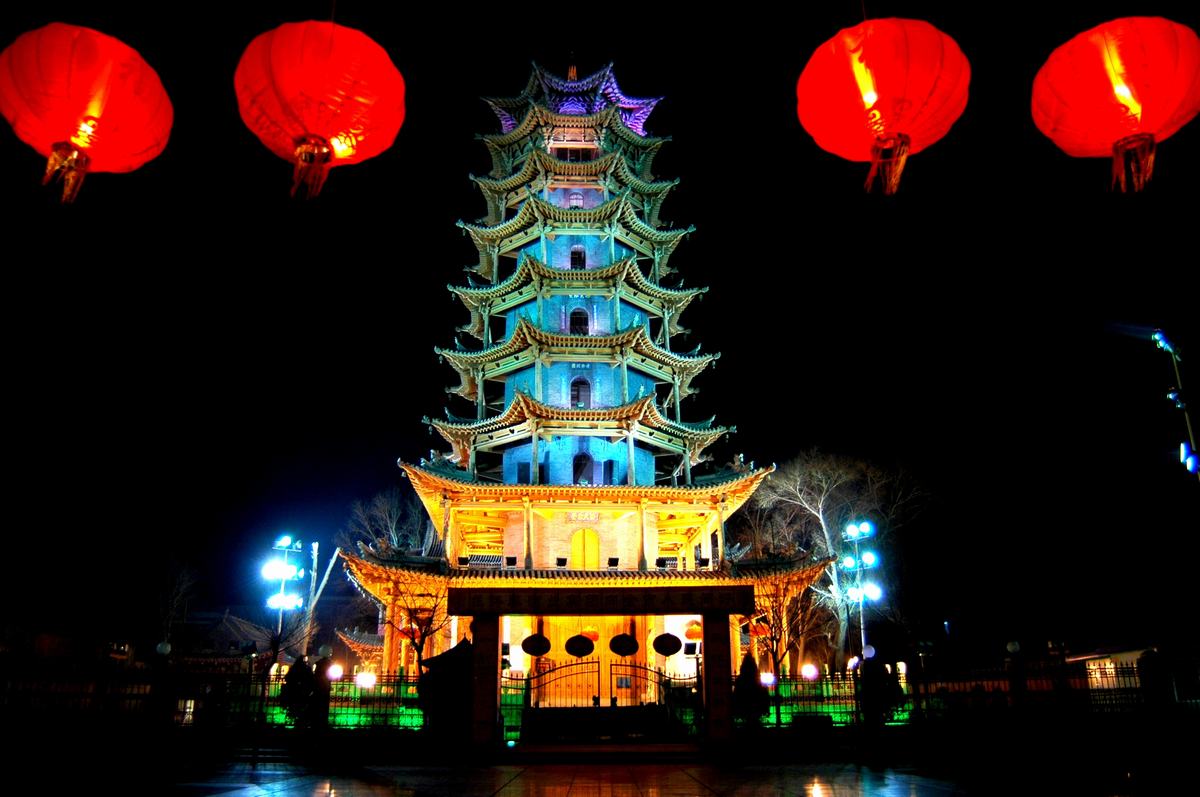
(609, 565)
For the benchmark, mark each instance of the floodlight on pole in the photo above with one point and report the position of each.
(860, 592)
(1187, 452)
(283, 571)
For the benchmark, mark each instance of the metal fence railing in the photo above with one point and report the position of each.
(1069, 689)
(222, 700)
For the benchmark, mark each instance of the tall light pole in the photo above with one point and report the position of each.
(855, 533)
(314, 592)
(1188, 454)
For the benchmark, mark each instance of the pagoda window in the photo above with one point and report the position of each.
(578, 256)
(579, 324)
(583, 469)
(575, 154)
(581, 394)
(610, 469)
(575, 199)
(522, 473)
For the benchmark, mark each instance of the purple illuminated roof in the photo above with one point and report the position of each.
(581, 97)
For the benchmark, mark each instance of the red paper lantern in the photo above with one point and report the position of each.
(1118, 89)
(623, 645)
(667, 644)
(882, 91)
(579, 646)
(536, 645)
(694, 631)
(86, 101)
(319, 94)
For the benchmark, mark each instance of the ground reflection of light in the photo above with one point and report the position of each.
(815, 789)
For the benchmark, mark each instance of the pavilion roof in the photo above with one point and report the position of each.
(377, 573)
(542, 162)
(527, 335)
(434, 481)
(534, 210)
(367, 647)
(530, 271)
(538, 116)
(588, 95)
(462, 434)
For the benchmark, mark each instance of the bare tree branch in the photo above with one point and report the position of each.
(391, 522)
(804, 506)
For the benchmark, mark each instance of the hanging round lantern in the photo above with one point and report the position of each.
(694, 631)
(319, 95)
(882, 91)
(1117, 90)
(579, 646)
(623, 645)
(667, 644)
(84, 100)
(591, 632)
(759, 629)
(536, 645)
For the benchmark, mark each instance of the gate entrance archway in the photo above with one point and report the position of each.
(714, 603)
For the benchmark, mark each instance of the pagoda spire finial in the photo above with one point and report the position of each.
(572, 73)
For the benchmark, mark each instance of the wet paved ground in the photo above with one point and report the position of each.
(571, 780)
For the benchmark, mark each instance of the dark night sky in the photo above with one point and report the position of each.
(199, 363)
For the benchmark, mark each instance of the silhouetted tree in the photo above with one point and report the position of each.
(815, 495)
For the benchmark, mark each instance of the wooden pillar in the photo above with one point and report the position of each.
(642, 564)
(480, 398)
(537, 374)
(447, 543)
(541, 319)
(625, 375)
(718, 678)
(676, 393)
(631, 469)
(687, 467)
(471, 459)
(542, 236)
(486, 311)
(666, 336)
(617, 308)
(527, 545)
(391, 634)
(534, 459)
(721, 531)
(485, 714)
(706, 544)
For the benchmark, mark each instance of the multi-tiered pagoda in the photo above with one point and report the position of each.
(569, 502)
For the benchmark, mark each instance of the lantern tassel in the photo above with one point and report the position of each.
(312, 165)
(888, 156)
(1133, 162)
(69, 164)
